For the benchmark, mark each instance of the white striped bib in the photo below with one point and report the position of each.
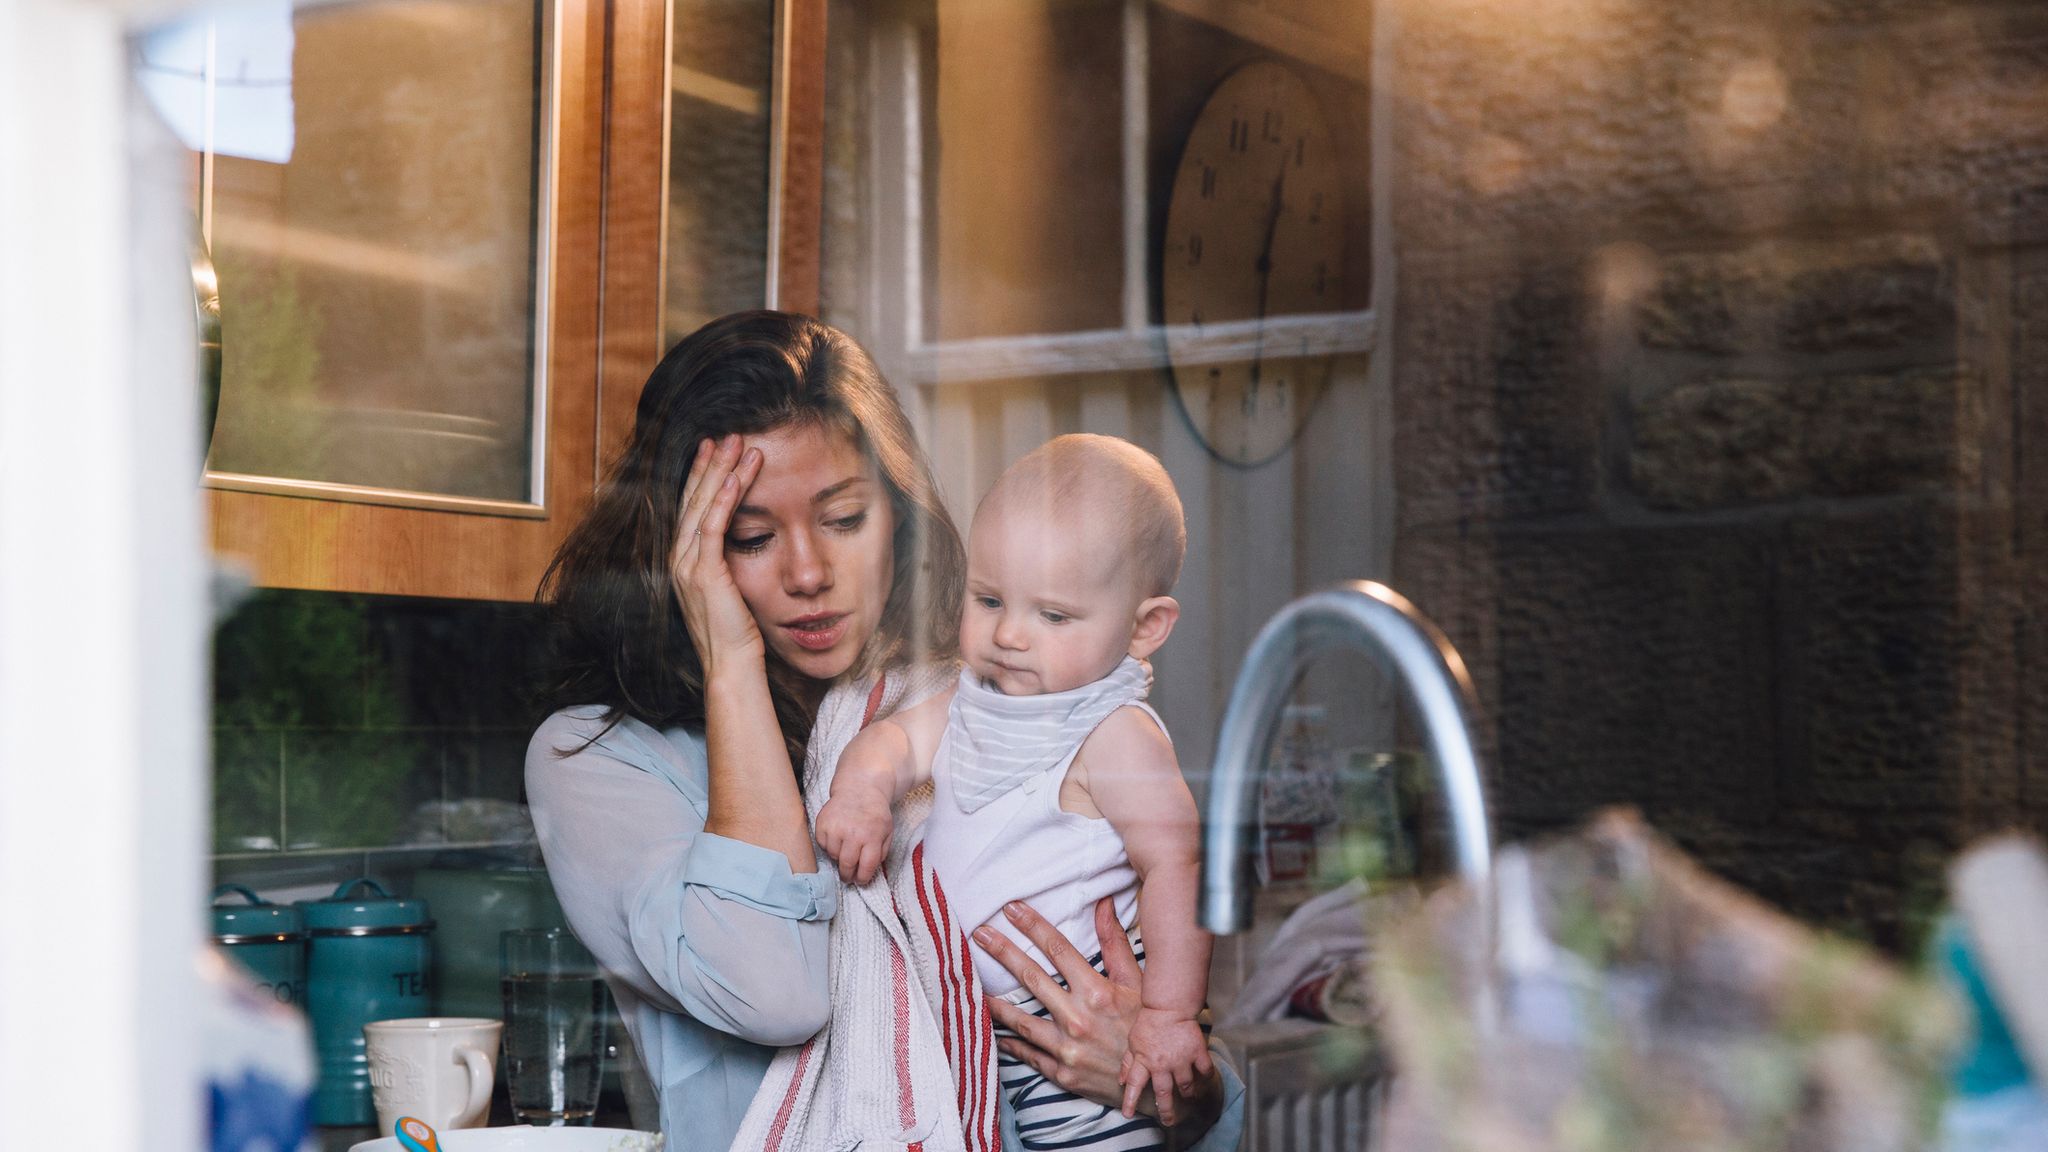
(997, 832)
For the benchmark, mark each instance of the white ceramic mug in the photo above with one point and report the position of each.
(437, 1068)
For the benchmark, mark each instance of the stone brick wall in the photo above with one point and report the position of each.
(1721, 432)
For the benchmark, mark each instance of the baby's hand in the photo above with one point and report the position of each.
(1167, 1051)
(854, 828)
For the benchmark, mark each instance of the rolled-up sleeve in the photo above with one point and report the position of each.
(759, 877)
(1227, 1134)
(692, 922)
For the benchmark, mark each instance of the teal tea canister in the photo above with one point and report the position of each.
(369, 959)
(267, 939)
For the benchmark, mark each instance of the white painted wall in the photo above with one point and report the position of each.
(102, 616)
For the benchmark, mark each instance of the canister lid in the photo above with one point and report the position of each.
(350, 912)
(258, 919)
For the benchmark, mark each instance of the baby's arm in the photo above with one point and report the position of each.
(1135, 781)
(887, 759)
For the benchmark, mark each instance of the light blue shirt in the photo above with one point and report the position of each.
(715, 950)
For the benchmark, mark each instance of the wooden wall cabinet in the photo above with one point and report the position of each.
(605, 317)
(345, 531)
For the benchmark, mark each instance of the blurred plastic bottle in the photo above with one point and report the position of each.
(1994, 1105)
(257, 1060)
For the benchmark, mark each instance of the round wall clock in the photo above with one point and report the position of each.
(1254, 230)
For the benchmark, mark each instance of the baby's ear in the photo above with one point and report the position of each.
(1156, 618)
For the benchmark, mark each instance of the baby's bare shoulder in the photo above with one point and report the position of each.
(1132, 776)
(1132, 740)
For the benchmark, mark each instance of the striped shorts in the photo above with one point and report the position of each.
(1049, 1117)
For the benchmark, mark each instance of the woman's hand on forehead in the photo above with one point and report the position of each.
(721, 626)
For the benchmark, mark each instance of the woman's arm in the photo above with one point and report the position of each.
(1080, 1047)
(689, 920)
(754, 796)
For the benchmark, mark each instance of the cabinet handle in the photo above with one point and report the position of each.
(206, 308)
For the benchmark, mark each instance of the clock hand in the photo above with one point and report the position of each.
(1265, 267)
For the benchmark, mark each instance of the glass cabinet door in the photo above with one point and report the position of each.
(721, 118)
(383, 288)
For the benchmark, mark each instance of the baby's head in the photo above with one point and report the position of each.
(1071, 566)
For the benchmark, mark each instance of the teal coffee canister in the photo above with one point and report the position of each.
(368, 959)
(267, 939)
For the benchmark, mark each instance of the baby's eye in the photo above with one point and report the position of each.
(748, 543)
(1052, 617)
(988, 602)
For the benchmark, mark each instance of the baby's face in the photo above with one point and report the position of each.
(1049, 607)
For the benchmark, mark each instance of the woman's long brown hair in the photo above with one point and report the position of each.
(617, 637)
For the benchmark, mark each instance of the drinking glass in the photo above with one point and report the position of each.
(554, 1026)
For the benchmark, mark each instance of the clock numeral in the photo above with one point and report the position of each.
(1315, 208)
(1208, 182)
(1300, 149)
(1269, 127)
(1240, 135)
(1194, 249)
(1322, 277)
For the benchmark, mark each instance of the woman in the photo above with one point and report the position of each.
(769, 549)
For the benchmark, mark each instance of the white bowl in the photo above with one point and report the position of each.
(521, 1138)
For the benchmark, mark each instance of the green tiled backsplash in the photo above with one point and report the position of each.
(346, 724)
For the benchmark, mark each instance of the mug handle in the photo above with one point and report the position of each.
(480, 1078)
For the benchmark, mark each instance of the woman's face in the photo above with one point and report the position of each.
(810, 548)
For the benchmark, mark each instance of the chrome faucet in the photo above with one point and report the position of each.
(1432, 679)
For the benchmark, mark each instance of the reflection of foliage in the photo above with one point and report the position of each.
(349, 789)
(1639, 1003)
(1925, 898)
(1387, 804)
(245, 790)
(1361, 852)
(301, 662)
(295, 660)
(270, 369)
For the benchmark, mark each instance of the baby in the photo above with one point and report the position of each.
(1055, 783)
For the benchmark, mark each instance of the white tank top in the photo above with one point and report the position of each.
(1017, 843)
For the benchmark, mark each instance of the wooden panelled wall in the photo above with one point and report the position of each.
(1256, 539)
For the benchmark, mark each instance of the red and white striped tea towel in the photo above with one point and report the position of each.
(908, 1059)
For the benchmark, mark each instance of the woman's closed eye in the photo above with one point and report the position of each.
(849, 523)
(739, 542)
